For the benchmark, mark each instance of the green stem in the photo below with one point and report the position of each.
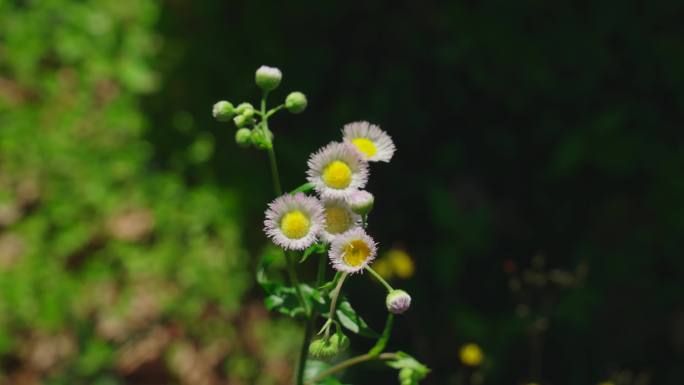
(304, 350)
(350, 362)
(320, 274)
(333, 304)
(379, 278)
(382, 341)
(274, 110)
(274, 171)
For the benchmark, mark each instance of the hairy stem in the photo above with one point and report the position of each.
(333, 304)
(350, 362)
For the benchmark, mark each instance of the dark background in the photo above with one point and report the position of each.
(524, 129)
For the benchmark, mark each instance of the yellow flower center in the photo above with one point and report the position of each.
(295, 224)
(337, 219)
(471, 355)
(337, 175)
(366, 146)
(355, 253)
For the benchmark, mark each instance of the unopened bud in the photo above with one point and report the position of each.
(261, 139)
(240, 121)
(296, 102)
(223, 111)
(243, 137)
(398, 301)
(361, 202)
(268, 78)
(244, 108)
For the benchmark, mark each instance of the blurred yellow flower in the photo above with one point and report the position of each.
(401, 263)
(383, 267)
(471, 354)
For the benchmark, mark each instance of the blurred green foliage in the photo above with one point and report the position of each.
(112, 270)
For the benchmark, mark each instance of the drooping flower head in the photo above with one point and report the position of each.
(370, 140)
(339, 218)
(293, 222)
(337, 170)
(352, 251)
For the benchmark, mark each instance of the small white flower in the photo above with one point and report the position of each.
(293, 222)
(337, 170)
(268, 78)
(370, 140)
(361, 202)
(352, 251)
(338, 218)
(398, 301)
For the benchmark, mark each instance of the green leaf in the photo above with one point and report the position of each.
(283, 299)
(352, 321)
(318, 248)
(410, 370)
(330, 381)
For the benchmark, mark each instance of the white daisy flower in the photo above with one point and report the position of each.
(352, 251)
(339, 218)
(370, 140)
(337, 170)
(293, 222)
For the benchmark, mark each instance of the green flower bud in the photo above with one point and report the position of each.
(223, 111)
(243, 137)
(240, 121)
(296, 102)
(242, 108)
(268, 78)
(260, 139)
(323, 349)
(398, 301)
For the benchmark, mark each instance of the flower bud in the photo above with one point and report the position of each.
(361, 202)
(268, 78)
(240, 121)
(325, 349)
(243, 137)
(296, 102)
(398, 301)
(260, 139)
(244, 108)
(223, 111)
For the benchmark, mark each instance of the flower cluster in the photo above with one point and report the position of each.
(337, 172)
(328, 216)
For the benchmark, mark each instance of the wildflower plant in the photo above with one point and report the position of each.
(325, 217)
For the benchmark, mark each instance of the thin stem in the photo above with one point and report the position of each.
(320, 274)
(304, 351)
(333, 304)
(382, 341)
(379, 278)
(274, 171)
(350, 362)
(274, 110)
